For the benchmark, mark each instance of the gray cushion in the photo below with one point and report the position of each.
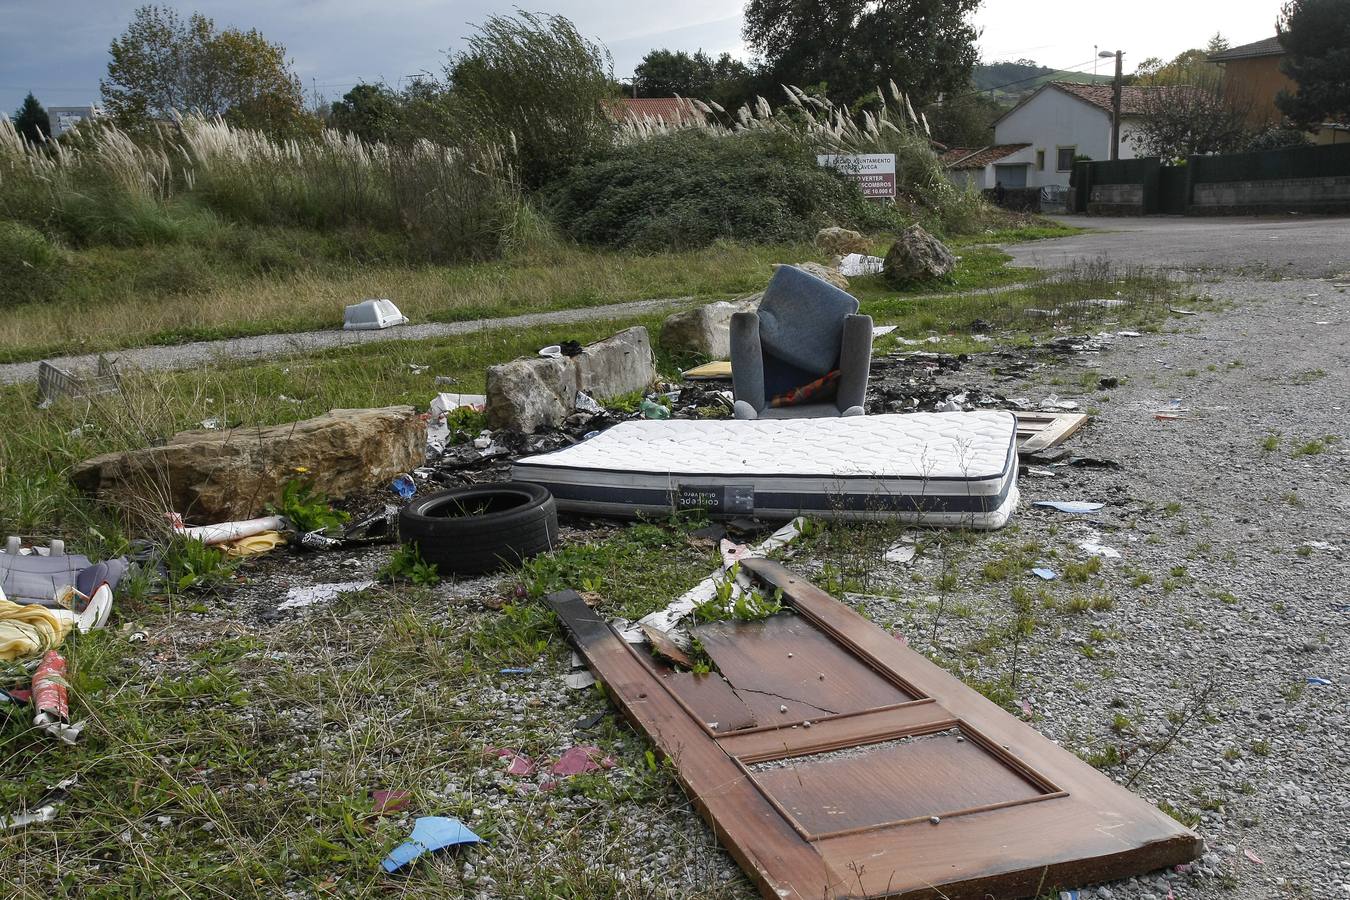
(801, 319)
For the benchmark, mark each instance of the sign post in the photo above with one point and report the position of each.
(874, 173)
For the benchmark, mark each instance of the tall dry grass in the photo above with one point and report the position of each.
(201, 174)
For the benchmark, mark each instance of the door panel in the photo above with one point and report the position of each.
(886, 777)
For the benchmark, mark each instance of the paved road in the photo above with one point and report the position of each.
(1313, 246)
(187, 356)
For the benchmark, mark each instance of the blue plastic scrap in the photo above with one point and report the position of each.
(523, 670)
(1070, 506)
(429, 834)
(404, 486)
(1044, 574)
(1312, 679)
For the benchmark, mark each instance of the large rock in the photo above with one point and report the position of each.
(527, 394)
(219, 476)
(917, 257)
(841, 242)
(824, 273)
(704, 330)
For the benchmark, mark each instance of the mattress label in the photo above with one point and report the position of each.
(716, 498)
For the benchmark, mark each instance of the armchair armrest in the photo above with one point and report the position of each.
(747, 360)
(855, 362)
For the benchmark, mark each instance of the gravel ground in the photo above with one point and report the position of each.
(1183, 665)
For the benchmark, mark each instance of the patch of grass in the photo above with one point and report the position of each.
(1186, 817)
(406, 564)
(1081, 572)
(1310, 448)
(192, 565)
(1261, 748)
(1270, 443)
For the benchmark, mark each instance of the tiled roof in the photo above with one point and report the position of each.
(1133, 98)
(670, 110)
(978, 157)
(1267, 47)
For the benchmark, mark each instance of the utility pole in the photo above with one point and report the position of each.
(1115, 109)
(1115, 101)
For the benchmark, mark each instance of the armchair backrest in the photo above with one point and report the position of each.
(801, 319)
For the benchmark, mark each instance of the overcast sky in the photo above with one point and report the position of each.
(60, 49)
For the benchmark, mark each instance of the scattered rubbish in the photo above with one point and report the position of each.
(210, 424)
(1027, 712)
(882, 330)
(1321, 682)
(254, 545)
(1044, 574)
(474, 530)
(376, 528)
(429, 834)
(417, 369)
(1039, 431)
(552, 351)
(1182, 312)
(317, 540)
(383, 802)
(404, 486)
(55, 382)
(520, 765)
(1092, 548)
(1034, 472)
(856, 264)
(587, 404)
(663, 646)
(901, 553)
(1053, 402)
(46, 809)
(578, 681)
(580, 760)
(1166, 417)
(571, 348)
(225, 532)
(653, 410)
(589, 722)
(1070, 506)
(1091, 462)
(1322, 545)
(518, 670)
(51, 699)
(28, 629)
(43, 574)
(298, 597)
(1108, 381)
(1128, 334)
(949, 406)
(372, 315)
(1253, 857)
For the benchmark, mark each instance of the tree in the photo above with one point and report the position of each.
(535, 84)
(1315, 35)
(1188, 110)
(965, 119)
(31, 120)
(927, 47)
(162, 65)
(369, 111)
(664, 73)
(1217, 44)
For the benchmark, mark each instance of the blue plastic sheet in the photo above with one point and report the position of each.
(429, 834)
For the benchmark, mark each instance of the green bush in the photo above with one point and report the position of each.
(31, 267)
(689, 188)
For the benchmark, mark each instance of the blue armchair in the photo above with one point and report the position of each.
(805, 330)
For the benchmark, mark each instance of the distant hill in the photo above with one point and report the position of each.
(1008, 82)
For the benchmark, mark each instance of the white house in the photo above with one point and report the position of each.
(1036, 141)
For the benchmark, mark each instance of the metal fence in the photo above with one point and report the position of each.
(1146, 186)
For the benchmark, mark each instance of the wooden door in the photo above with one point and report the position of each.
(833, 761)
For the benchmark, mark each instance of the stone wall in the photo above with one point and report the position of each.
(1116, 200)
(1330, 194)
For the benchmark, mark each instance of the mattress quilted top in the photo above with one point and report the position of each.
(973, 445)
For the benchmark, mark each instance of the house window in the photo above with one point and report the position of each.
(1040, 160)
(1064, 159)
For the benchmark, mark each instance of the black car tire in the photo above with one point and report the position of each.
(517, 521)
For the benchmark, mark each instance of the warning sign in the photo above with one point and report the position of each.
(874, 172)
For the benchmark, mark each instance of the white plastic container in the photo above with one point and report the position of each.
(371, 315)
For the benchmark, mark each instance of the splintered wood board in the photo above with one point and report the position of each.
(905, 783)
(712, 371)
(1042, 430)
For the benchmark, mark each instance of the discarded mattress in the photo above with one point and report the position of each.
(952, 469)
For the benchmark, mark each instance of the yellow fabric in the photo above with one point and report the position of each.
(254, 544)
(710, 370)
(29, 629)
